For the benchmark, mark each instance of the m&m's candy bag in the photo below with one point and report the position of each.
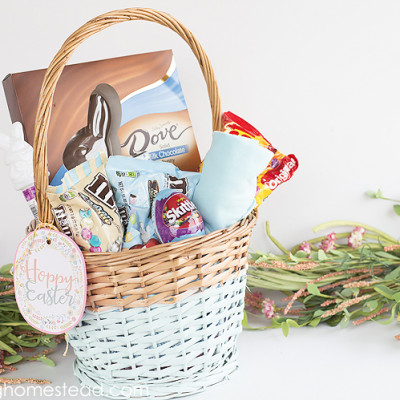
(136, 183)
(84, 207)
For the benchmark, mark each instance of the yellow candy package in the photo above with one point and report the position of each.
(84, 208)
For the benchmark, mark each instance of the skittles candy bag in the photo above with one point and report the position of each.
(175, 217)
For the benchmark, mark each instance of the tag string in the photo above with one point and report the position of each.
(66, 346)
(40, 225)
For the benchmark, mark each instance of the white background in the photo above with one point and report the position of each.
(320, 79)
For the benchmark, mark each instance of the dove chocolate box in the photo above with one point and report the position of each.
(132, 106)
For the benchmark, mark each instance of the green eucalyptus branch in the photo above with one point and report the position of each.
(336, 285)
(333, 224)
(378, 195)
(273, 240)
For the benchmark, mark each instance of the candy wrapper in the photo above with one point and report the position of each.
(280, 168)
(84, 208)
(225, 193)
(136, 183)
(175, 217)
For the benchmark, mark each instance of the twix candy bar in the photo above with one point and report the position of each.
(279, 169)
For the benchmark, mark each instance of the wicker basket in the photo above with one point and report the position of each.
(160, 322)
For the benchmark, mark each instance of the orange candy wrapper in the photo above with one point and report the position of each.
(280, 168)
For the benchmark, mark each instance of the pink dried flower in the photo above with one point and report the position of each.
(356, 237)
(256, 303)
(328, 244)
(269, 308)
(306, 247)
(332, 236)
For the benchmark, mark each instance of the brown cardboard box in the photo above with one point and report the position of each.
(155, 118)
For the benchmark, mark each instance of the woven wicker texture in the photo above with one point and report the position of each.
(167, 273)
(161, 351)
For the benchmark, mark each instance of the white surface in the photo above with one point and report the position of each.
(312, 363)
(320, 79)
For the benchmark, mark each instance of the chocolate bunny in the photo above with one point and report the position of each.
(101, 131)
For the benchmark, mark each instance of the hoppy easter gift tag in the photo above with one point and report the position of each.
(50, 281)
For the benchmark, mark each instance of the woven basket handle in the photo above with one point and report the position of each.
(60, 60)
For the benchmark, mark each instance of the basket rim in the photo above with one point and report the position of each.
(142, 277)
(248, 221)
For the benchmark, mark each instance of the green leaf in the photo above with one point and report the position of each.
(23, 343)
(359, 312)
(313, 289)
(389, 256)
(385, 291)
(318, 313)
(333, 321)
(378, 194)
(396, 209)
(370, 305)
(347, 292)
(5, 269)
(51, 343)
(396, 297)
(321, 255)
(315, 322)
(245, 322)
(46, 361)
(308, 298)
(285, 328)
(12, 359)
(293, 323)
(393, 275)
(338, 253)
(5, 331)
(6, 347)
(245, 325)
(344, 322)
(391, 318)
(371, 193)
(301, 254)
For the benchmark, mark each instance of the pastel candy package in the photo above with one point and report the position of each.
(280, 168)
(175, 217)
(84, 208)
(225, 193)
(135, 183)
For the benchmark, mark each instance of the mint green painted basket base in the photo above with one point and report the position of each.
(161, 351)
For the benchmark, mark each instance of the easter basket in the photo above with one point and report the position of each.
(160, 322)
